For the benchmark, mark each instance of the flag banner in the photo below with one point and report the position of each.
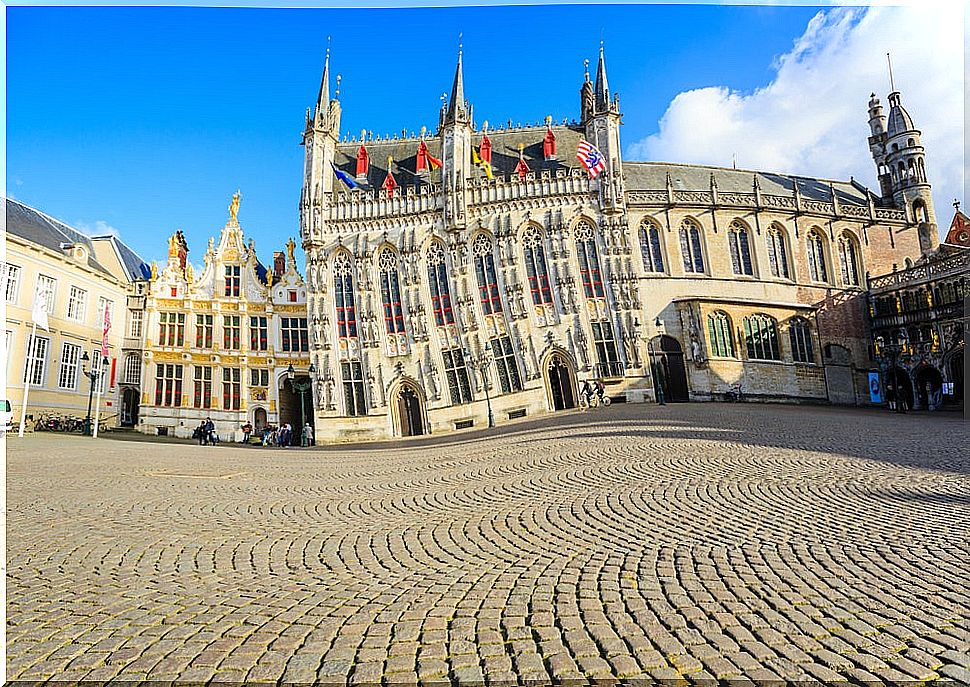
(591, 158)
(481, 162)
(426, 159)
(38, 312)
(485, 149)
(104, 334)
(344, 177)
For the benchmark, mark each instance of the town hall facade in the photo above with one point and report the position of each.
(481, 274)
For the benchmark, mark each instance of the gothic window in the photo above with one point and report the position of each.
(343, 283)
(690, 247)
(132, 369)
(589, 262)
(508, 370)
(777, 253)
(168, 385)
(488, 292)
(607, 355)
(653, 260)
(721, 335)
(816, 257)
(202, 387)
(391, 292)
(456, 372)
(740, 248)
(438, 281)
(800, 335)
(535, 266)
(353, 379)
(848, 261)
(761, 337)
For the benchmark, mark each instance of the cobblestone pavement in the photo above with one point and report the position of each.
(637, 541)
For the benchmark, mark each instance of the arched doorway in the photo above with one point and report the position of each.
(898, 378)
(296, 407)
(259, 420)
(560, 383)
(410, 411)
(667, 366)
(929, 388)
(129, 406)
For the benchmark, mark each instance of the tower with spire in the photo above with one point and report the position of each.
(601, 120)
(455, 131)
(320, 137)
(900, 164)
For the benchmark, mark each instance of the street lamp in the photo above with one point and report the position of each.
(300, 388)
(657, 367)
(92, 375)
(481, 364)
(894, 349)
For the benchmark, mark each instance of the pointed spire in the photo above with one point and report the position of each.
(456, 104)
(323, 98)
(602, 88)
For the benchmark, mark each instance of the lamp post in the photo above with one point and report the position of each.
(657, 367)
(894, 349)
(92, 375)
(300, 388)
(481, 364)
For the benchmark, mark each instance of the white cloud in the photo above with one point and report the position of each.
(99, 228)
(811, 119)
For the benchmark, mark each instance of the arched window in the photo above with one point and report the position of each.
(740, 249)
(849, 260)
(390, 292)
(761, 337)
(721, 336)
(343, 290)
(535, 266)
(800, 335)
(690, 247)
(438, 282)
(777, 253)
(817, 269)
(653, 260)
(589, 262)
(132, 369)
(488, 292)
(919, 211)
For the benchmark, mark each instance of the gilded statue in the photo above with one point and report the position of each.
(189, 273)
(154, 270)
(290, 247)
(269, 278)
(173, 245)
(234, 206)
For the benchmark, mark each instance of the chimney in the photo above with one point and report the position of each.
(279, 264)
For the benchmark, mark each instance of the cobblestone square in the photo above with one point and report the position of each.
(704, 541)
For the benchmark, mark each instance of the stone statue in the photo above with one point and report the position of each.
(234, 206)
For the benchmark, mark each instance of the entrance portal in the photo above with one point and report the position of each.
(667, 365)
(296, 408)
(410, 412)
(560, 383)
(929, 388)
(129, 407)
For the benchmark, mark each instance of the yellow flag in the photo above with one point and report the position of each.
(476, 158)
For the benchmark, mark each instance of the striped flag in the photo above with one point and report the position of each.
(104, 334)
(591, 158)
(478, 161)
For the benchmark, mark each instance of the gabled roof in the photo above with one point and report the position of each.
(35, 227)
(135, 268)
(959, 233)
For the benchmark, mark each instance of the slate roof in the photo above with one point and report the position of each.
(135, 267)
(36, 227)
(505, 153)
(652, 176)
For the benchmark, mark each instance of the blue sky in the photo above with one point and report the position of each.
(146, 120)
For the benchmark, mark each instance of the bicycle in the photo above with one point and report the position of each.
(735, 394)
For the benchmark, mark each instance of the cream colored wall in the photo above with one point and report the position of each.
(49, 398)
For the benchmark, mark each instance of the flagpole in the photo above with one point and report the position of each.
(97, 405)
(23, 406)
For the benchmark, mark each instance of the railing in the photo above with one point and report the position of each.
(939, 269)
(608, 370)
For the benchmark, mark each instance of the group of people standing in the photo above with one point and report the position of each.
(206, 433)
(281, 436)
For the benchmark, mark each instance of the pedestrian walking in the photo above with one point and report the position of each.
(307, 438)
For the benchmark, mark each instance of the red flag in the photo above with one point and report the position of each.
(363, 160)
(104, 334)
(485, 149)
(426, 159)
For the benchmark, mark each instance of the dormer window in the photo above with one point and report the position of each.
(291, 295)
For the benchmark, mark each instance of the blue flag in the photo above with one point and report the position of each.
(344, 177)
